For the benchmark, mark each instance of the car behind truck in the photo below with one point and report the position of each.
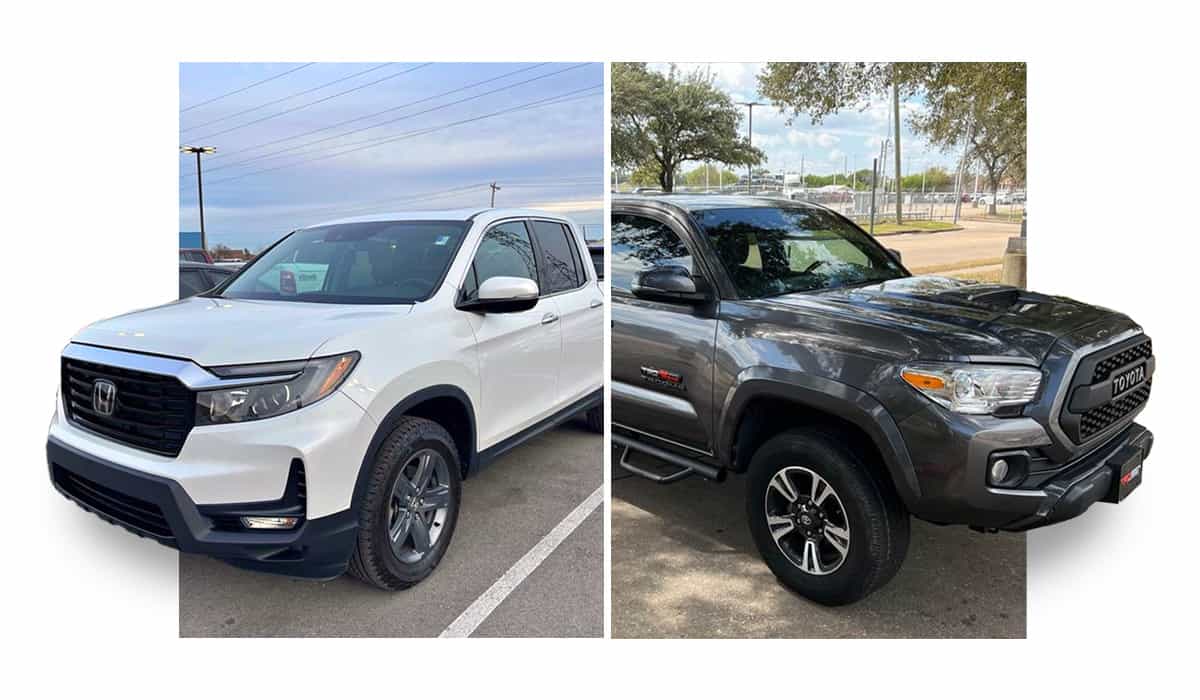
(778, 340)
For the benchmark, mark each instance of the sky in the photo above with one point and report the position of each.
(285, 159)
(848, 140)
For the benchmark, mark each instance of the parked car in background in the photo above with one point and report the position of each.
(198, 255)
(317, 412)
(195, 278)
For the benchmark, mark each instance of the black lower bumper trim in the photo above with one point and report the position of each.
(159, 508)
(1095, 479)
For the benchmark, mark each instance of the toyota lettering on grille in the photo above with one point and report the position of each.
(1127, 380)
(104, 397)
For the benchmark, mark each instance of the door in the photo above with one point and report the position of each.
(569, 279)
(518, 351)
(662, 353)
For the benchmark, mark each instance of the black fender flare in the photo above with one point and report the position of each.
(389, 422)
(827, 396)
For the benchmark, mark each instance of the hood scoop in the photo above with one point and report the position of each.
(997, 298)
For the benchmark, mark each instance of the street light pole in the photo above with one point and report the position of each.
(199, 186)
(750, 139)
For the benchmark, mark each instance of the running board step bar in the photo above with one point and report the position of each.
(687, 467)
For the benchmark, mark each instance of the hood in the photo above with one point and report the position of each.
(213, 332)
(964, 320)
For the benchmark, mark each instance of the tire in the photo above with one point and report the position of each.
(594, 418)
(862, 503)
(392, 506)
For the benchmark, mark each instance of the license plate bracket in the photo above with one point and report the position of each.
(1126, 468)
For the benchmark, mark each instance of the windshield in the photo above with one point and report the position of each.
(389, 262)
(770, 251)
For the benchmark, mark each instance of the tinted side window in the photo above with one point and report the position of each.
(560, 265)
(192, 282)
(638, 244)
(505, 251)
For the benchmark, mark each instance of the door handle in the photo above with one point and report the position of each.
(549, 318)
(595, 303)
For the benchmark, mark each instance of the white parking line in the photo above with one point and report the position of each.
(473, 616)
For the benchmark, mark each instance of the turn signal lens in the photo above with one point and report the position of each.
(923, 381)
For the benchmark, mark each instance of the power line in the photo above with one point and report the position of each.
(285, 98)
(384, 111)
(315, 102)
(372, 143)
(243, 89)
(285, 151)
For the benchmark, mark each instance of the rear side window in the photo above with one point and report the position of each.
(560, 263)
(505, 251)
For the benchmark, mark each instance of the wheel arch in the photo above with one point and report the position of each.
(445, 404)
(746, 421)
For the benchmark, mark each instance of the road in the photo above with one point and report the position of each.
(506, 511)
(978, 240)
(683, 565)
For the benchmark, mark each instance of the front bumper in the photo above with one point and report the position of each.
(159, 508)
(950, 455)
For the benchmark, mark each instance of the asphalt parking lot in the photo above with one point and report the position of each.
(507, 510)
(683, 565)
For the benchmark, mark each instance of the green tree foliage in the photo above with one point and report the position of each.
(980, 104)
(660, 121)
(933, 179)
(716, 176)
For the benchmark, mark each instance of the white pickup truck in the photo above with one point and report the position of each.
(318, 411)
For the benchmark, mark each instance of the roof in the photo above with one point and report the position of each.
(441, 215)
(700, 202)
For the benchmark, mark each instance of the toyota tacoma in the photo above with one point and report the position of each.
(317, 412)
(779, 340)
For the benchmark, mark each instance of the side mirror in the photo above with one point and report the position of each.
(670, 283)
(503, 295)
(896, 255)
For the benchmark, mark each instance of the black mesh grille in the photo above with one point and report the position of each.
(133, 513)
(1101, 417)
(151, 412)
(1106, 366)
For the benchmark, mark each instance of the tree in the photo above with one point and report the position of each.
(981, 104)
(662, 121)
(716, 176)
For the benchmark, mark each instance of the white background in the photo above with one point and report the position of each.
(89, 189)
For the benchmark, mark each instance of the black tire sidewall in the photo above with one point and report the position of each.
(861, 498)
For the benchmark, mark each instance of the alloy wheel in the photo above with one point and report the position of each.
(418, 505)
(807, 520)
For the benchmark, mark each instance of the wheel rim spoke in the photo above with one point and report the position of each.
(784, 487)
(399, 530)
(839, 538)
(420, 535)
(820, 490)
(420, 480)
(434, 498)
(780, 526)
(811, 559)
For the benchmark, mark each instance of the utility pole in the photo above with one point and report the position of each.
(494, 187)
(750, 138)
(896, 112)
(199, 186)
(874, 177)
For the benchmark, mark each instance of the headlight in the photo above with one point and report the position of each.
(314, 380)
(975, 389)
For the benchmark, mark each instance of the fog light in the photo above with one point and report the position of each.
(269, 523)
(999, 471)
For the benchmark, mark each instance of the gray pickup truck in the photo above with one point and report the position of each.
(779, 340)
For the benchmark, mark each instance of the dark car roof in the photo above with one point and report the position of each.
(188, 265)
(701, 202)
